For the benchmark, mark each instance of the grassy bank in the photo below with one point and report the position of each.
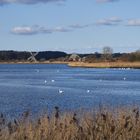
(106, 64)
(101, 125)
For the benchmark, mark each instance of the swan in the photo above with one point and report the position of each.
(124, 78)
(88, 91)
(61, 91)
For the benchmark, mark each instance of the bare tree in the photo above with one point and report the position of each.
(107, 53)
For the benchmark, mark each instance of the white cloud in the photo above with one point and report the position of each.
(133, 22)
(115, 19)
(103, 1)
(25, 30)
(61, 29)
(104, 22)
(78, 26)
(109, 21)
(32, 30)
(36, 29)
(3, 2)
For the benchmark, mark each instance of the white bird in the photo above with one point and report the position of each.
(124, 78)
(53, 81)
(45, 81)
(61, 91)
(88, 91)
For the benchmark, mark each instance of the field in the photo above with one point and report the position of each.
(119, 124)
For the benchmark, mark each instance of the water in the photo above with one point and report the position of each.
(37, 87)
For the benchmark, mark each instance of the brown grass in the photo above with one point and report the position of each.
(106, 64)
(100, 125)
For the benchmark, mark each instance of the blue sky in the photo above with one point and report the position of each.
(82, 26)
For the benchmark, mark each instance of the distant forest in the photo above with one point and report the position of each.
(30, 56)
(106, 55)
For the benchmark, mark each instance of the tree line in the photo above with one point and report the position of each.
(107, 55)
(25, 55)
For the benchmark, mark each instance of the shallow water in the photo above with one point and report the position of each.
(36, 87)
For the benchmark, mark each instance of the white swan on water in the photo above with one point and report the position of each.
(88, 91)
(60, 91)
(124, 78)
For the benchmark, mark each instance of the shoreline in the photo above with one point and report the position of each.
(45, 62)
(135, 65)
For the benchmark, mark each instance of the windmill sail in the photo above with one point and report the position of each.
(32, 57)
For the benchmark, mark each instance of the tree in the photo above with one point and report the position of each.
(107, 53)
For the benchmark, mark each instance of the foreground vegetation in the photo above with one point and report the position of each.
(98, 125)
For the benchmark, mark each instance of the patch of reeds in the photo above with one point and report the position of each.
(96, 125)
(106, 64)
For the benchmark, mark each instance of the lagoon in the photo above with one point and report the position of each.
(36, 87)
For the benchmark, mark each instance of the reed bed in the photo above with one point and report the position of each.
(122, 124)
(106, 64)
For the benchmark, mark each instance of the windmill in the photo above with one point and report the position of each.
(32, 57)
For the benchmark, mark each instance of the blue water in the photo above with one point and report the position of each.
(36, 87)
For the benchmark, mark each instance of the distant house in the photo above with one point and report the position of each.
(83, 59)
(74, 57)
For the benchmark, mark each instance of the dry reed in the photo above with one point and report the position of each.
(98, 125)
(106, 64)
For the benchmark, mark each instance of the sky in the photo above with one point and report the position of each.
(73, 26)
